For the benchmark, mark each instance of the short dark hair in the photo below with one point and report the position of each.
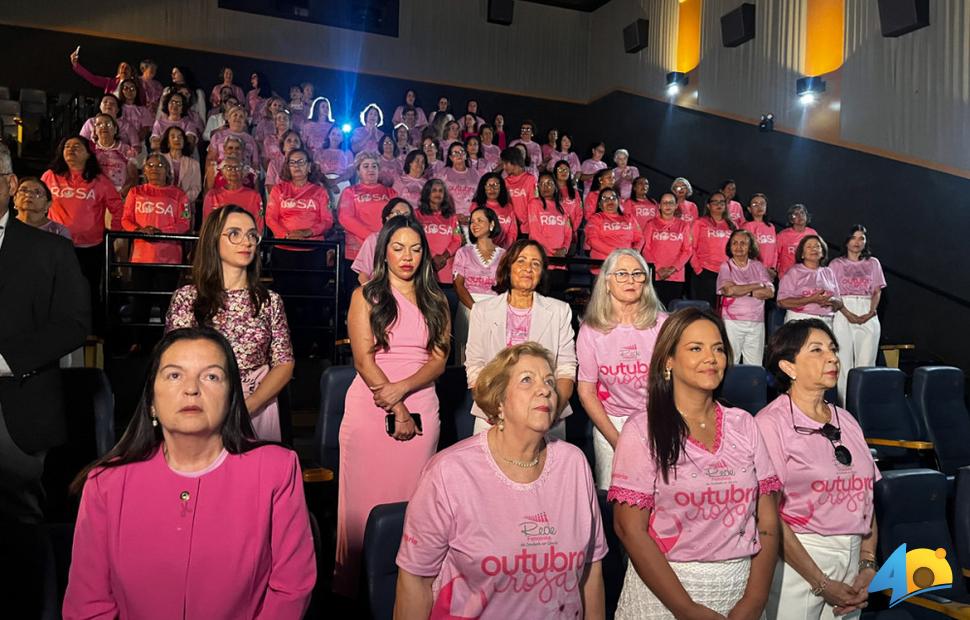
(800, 250)
(786, 342)
(393, 202)
(503, 279)
(513, 156)
(495, 227)
(753, 251)
(409, 159)
(187, 148)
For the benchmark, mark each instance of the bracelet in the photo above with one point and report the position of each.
(404, 421)
(817, 590)
(864, 564)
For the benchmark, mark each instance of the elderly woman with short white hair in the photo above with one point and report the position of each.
(616, 340)
(624, 174)
(506, 520)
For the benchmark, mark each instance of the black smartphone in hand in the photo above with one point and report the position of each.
(389, 423)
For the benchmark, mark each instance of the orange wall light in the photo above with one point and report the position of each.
(824, 36)
(688, 35)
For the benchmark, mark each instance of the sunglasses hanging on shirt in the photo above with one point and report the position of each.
(832, 433)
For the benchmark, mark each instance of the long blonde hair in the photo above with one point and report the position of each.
(599, 310)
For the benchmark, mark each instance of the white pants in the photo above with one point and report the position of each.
(791, 315)
(558, 429)
(791, 596)
(715, 585)
(858, 344)
(603, 453)
(747, 338)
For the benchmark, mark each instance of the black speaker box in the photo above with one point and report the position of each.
(500, 12)
(898, 17)
(738, 25)
(635, 36)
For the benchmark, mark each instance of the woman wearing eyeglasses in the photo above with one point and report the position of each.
(226, 294)
(493, 193)
(614, 346)
(827, 472)
(610, 228)
(461, 181)
(234, 193)
(709, 236)
(667, 247)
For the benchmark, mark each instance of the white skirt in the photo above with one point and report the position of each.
(715, 585)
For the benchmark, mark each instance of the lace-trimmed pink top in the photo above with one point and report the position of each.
(706, 511)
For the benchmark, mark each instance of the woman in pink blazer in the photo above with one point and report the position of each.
(519, 314)
(189, 516)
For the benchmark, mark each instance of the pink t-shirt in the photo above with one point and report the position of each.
(390, 170)
(533, 149)
(165, 208)
(642, 210)
(709, 242)
(573, 207)
(333, 162)
(359, 212)
(248, 199)
(461, 186)
(479, 276)
(507, 221)
(821, 496)
(667, 244)
(364, 263)
(114, 162)
(556, 156)
(624, 180)
(409, 188)
(743, 308)
(688, 211)
(800, 281)
(297, 208)
(618, 362)
(764, 234)
(500, 549)
(549, 227)
(787, 242)
(492, 154)
(518, 321)
(443, 234)
(706, 511)
(522, 189)
(862, 277)
(736, 212)
(606, 232)
(592, 166)
(314, 133)
(364, 139)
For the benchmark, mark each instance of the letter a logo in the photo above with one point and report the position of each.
(908, 574)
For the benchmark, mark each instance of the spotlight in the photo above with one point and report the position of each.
(767, 122)
(345, 128)
(808, 89)
(675, 81)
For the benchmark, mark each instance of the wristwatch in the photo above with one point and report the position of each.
(864, 564)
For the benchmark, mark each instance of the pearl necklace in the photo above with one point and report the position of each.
(517, 463)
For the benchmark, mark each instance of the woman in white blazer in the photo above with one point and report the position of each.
(519, 314)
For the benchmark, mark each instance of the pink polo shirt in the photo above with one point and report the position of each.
(821, 495)
(743, 308)
(709, 240)
(800, 281)
(549, 227)
(499, 549)
(861, 277)
(642, 210)
(522, 189)
(688, 211)
(606, 232)
(461, 186)
(409, 188)
(618, 362)
(667, 244)
(706, 511)
(787, 242)
(736, 212)
(295, 208)
(443, 234)
(479, 276)
(507, 221)
(360, 213)
(364, 263)
(764, 234)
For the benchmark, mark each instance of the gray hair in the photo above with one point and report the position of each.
(364, 156)
(6, 165)
(599, 310)
(798, 207)
(690, 188)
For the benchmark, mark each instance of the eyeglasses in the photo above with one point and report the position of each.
(296, 163)
(832, 433)
(233, 168)
(155, 165)
(236, 236)
(458, 153)
(623, 276)
(492, 186)
(31, 193)
(103, 126)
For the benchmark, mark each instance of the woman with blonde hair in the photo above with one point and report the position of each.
(614, 346)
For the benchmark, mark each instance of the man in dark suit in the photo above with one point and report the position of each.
(45, 313)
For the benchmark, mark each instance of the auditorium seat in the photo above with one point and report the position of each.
(679, 304)
(745, 386)
(910, 509)
(33, 101)
(615, 562)
(938, 397)
(382, 537)
(876, 397)
(961, 519)
(334, 383)
(454, 407)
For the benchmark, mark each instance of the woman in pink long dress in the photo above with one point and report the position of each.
(399, 326)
